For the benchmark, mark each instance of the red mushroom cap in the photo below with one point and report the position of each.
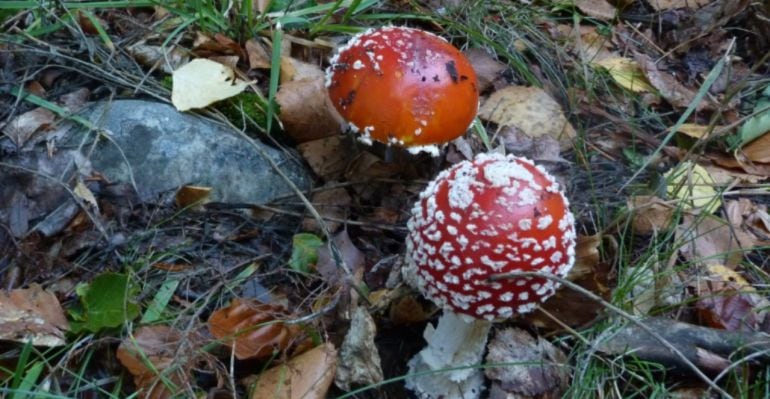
(496, 214)
(404, 86)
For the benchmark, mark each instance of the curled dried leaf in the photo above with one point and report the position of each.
(252, 329)
(157, 358)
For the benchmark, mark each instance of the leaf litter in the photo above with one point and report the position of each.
(706, 213)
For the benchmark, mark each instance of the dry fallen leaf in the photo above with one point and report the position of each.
(408, 310)
(164, 59)
(531, 110)
(669, 87)
(192, 196)
(202, 82)
(692, 185)
(626, 73)
(75, 100)
(83, 192)
(727, 177)
(749, 222)
(727, 301)
(487, 67)
(650, 214)
(330, 203)
(351, 255)
(22, 127)
(535, 367)
(306, 110)
(359, 362)
(259, 57)
(697, 131)
(328, 157)
(157, 360)
(568, 306)
(307, 376)
(758, 150)
(662, 5)
(32, 315)
(587, 43)
(293, 69)
(252, 329)
(599, 9)
(708, 240)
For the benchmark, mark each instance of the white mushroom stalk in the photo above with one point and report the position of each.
(496, 214)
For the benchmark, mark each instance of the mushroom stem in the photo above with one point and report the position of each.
(456, 345)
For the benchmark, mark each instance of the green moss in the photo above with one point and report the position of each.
(245, 109)
(167, 82)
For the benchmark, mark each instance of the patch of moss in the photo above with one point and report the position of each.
(246, 107)
(167, 82)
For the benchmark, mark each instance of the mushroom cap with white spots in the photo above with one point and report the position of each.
(496, 214)
(403, 86)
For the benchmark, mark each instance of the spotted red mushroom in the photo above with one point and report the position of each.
(403, 86)
(496, 214)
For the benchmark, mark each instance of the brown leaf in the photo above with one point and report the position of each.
(328, 157)
(75, 100)
(668, 86)
(32, 315)
(569, 306)
(650, 214)
(536, 366)
(306, 110)
(351, 255)
(252, 329)
(531, 110)
(155, 356)
(307, 376)
(587, 43)
(599, 9)
(708, 240)
(750, 223)
(487, 67)
(661, 5)
(166, 60)
(408, 310)
(21, 128)
(759, 149)
(330, 203)
(293, 69)
(230, 61)
(259, 57)
(192, 196)
(727, 301)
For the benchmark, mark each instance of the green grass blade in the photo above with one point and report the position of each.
(160, 301)
(275, 75)
(710, 79)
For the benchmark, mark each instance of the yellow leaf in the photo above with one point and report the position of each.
(531, 110)
(693, 186)
(82, 191)
(202, 82)
(695, 130)
(626, 73)
(726, 275)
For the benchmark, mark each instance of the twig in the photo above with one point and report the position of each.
(623, 314)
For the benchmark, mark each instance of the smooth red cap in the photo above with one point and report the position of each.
(403, 86)
(496, 214)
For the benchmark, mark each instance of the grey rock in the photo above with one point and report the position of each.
(149, 145)
(160, 149)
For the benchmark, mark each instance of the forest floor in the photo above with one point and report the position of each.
(652, 115)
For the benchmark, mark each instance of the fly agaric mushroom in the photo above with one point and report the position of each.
(403, 86)
(497, 214)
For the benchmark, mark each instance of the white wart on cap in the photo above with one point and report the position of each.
(496, 214)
